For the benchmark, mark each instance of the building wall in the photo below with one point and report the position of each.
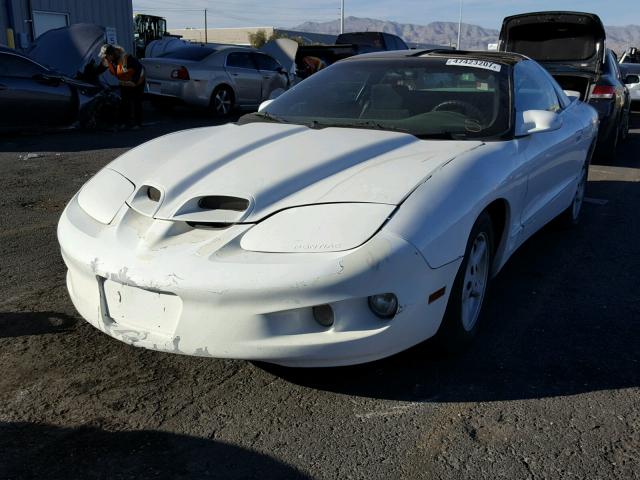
(111, 13)
(233, 36)
(240, 36)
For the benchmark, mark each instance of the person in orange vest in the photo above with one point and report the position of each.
(130, 74)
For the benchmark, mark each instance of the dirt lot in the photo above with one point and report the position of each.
(551, 389)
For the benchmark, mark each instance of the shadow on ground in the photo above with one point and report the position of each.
(18, 324)
(43, 451)
(72, 140)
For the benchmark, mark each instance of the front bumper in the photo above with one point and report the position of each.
(198, 293)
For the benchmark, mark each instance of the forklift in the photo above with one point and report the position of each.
(146, 29)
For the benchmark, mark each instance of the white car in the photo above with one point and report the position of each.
(358, 214)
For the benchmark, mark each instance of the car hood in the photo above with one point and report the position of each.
(283, 50)
(275, 166)
(556, 39)
(68, 50)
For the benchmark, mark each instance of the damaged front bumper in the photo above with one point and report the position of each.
(170, 287)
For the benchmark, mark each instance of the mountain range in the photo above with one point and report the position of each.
(446, 33)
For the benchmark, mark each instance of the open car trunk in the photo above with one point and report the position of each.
(560, 41)
(575, 83)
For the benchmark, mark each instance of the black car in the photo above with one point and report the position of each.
(61, 93)
(571, 46)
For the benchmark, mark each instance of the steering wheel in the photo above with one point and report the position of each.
(458, 106)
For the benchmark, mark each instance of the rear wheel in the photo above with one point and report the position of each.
(624, 130)
(571, 216)
(464, 310)
(607, 148)
(222, 101)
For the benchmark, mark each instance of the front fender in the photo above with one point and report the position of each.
(438, 216)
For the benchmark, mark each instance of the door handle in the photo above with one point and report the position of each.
(235, 74)
(267, 77)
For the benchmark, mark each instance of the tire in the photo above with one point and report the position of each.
(571, 216)
(463, 315)
(607, 148)
(624, 129)
(222, 101)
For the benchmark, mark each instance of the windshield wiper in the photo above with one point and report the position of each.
(366, 124)
(442, 136)
(269, 116)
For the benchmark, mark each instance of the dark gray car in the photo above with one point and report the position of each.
(59, 93)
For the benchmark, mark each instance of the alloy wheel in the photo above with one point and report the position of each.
(475, 281)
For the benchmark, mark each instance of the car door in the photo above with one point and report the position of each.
(273, 75)
(246, 78)
(554, 158)
(622, 92)
(31, 95)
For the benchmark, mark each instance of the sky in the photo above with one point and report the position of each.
(288, 13)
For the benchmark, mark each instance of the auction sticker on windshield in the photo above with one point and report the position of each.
(463, 62)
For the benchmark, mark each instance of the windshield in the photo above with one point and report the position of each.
(426, 97)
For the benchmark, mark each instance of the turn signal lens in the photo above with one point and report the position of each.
(384, 305)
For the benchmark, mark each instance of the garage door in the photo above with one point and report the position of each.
(45, 21)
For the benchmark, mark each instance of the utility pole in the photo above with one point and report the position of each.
(459, 26)
(342, 17)
(206, 27)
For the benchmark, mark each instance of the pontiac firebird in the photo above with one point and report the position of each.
(356, 215)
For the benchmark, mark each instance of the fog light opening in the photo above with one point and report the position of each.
(323, 314)
(384, 305)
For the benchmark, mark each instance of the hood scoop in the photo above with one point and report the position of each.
(201, 209)
(214, 209)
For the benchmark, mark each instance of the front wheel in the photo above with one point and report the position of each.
(571, 216)
(464, 310)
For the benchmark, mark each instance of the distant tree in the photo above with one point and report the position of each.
(259, 38)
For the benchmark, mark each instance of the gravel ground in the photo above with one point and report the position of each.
(551, 388)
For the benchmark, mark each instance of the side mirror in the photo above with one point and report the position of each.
(631, 79)
(264, 105)
(536, 121)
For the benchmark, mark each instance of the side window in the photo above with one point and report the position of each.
(240, 60)
(533, 89)
(564, 100)
(14, 66)
(265, 62)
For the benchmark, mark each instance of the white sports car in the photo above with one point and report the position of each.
(358, 214)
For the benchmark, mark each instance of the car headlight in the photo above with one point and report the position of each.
(103, 195)
(331, 227)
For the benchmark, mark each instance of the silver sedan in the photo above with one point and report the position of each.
(218, 77)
